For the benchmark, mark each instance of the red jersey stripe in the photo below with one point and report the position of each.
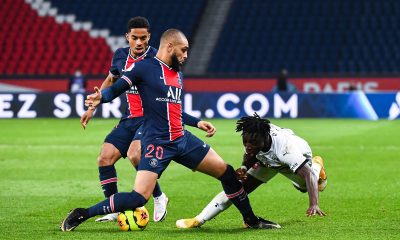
(175, 120)
(171, 78)
(135, 105)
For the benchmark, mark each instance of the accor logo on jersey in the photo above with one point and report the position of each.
(174, 81)
(173, 96)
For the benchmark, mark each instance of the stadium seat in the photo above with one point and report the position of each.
(331, 36)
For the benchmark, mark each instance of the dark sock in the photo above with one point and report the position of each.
(108, 180)
(235, 192)
(117, 203)
(157, 190)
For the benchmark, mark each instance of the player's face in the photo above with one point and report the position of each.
(138, 39)
(180, 51)
(252, 144)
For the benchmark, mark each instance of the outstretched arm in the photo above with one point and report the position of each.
(110, 79)
(196, 122)
(312, 188)
(108, 94)
(190, 120)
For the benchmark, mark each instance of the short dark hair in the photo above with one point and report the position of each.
(254, 125)
(172, 33)
(138, 22)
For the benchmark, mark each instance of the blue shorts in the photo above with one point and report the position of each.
(188, 150)
(124, 133)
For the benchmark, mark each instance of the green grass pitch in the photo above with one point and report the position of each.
(48, 166)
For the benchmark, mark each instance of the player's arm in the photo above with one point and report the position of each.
(247, 163)
(108, 94)
(196, 122)
(311, 180)
(110, 79)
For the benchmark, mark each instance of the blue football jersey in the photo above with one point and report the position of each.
(124, 61)
(160, 88)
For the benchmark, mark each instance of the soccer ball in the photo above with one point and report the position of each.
(133, 220)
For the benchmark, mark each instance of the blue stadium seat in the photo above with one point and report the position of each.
(114, 14)
(331, 36)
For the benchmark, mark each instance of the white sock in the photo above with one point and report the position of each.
(219, 204)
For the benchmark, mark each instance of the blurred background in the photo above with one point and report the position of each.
(348, 48)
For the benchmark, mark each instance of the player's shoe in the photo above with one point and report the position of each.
(73, 219)
(160, 208)
(188, 223)
(262, 224)
(112, 217)
(322, 181)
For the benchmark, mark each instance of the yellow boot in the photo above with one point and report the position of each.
(188, 223)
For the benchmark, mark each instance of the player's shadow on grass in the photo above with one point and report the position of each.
(205, 229)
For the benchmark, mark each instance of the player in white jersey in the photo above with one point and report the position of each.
(270, 150)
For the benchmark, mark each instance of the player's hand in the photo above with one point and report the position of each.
(207, 127)
(93, 100)
(314, 210)
(86, 117)
(241, 174)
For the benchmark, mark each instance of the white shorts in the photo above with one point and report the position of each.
(264, 174)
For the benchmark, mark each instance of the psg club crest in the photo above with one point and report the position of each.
(153, 162)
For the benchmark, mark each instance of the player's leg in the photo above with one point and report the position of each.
(213, 165)
(109, 154)
(159, 198)
(217, 205)
(144, 183)
(198, 155)
(115, 146)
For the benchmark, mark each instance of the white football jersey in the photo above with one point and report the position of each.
(287, 150)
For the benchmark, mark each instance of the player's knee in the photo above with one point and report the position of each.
(228, 175)
(138, 198)
(145, 194)
(134, 158)
(104, 160)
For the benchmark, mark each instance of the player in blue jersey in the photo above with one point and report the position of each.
(124, 139)
(160, 84)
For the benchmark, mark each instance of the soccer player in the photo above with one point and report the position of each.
(270, 150)
(160, 84)
(124, 139)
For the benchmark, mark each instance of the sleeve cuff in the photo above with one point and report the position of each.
(301, 165)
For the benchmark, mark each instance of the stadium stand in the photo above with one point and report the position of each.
(331, 36)
(35, 43)
(259, 37)
(114, 14)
